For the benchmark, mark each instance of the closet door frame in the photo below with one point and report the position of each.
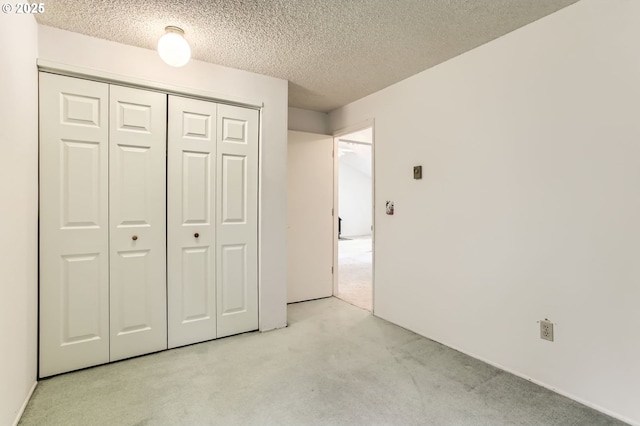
(54, 68)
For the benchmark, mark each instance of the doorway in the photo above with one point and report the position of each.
(354, 201)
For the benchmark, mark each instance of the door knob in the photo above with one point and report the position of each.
(135, 237)
(196, 235)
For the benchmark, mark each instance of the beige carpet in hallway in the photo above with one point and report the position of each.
(355, 271)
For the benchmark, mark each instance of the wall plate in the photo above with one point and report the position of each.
(546, 330)
(390, 209)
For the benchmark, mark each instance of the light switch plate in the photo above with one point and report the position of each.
(417, 172)
(390, 208)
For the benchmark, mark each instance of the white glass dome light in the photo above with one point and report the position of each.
(173, 48)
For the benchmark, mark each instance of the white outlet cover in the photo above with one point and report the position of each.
(546, 330)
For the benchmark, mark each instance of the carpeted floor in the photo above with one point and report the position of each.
(355, 271)
(335, 364)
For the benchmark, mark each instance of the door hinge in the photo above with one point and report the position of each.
(331, 212)
(332, 270)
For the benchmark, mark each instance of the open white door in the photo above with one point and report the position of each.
(310, 216)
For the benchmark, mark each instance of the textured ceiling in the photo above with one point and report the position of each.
(332, 52)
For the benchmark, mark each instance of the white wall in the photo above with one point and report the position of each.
(304, 120)
(530, 203)
(355, 192)
(19, 212)
(88, 52)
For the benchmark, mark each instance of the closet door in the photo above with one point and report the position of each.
(74, 250)
(237, 220)
(138, 320)
(191, 221)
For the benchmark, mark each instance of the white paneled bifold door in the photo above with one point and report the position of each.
(121, 272)
(212, 220)
(74, 224)
(137, 213)
(191, 261)
(237, 219)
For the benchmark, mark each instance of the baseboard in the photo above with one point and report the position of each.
(24, 404)
(522, 376)
(277, 327)
(551, 388)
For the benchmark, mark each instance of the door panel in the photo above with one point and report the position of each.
(132, 175)
(196, 188)
(138, 225)
(135, 293)
(191, 221)
(80, 298)
(196, 272)
(234, 278)
(81, 182)
(234, 189)
(310, 222)
(237, 220)
(74, 251)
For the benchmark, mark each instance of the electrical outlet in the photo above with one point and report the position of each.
(546, 330)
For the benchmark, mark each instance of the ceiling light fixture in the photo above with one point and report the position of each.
(173, 48)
